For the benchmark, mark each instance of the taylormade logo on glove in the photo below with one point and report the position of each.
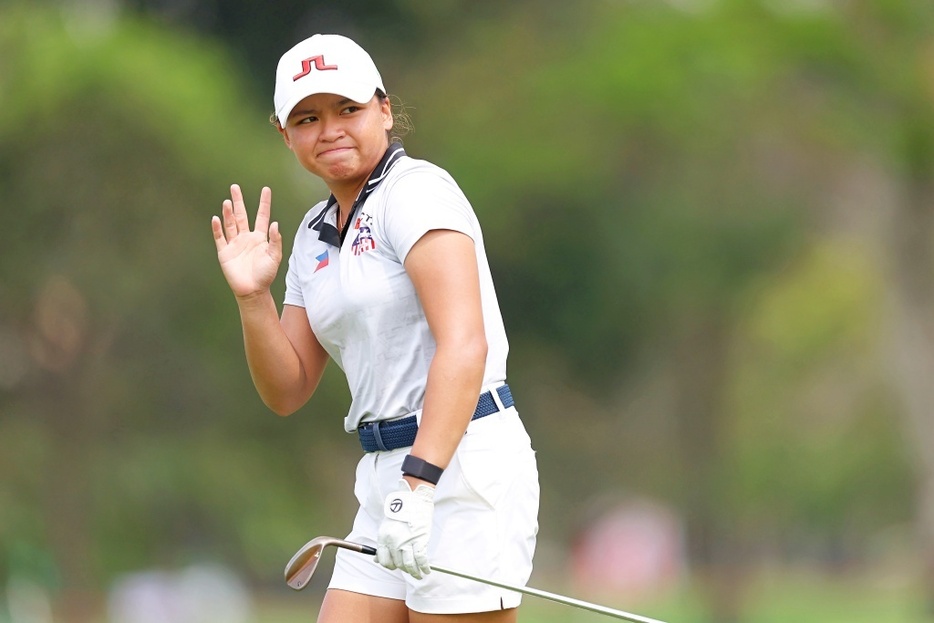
(403, 535)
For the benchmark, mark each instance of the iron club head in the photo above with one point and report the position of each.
(302, 566)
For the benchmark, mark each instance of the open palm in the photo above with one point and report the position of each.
(248, 259)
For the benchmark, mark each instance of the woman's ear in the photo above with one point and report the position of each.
(386, 111)
(285, 135)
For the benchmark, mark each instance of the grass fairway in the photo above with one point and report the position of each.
(805, 597)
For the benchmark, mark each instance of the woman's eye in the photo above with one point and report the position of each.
(307, 120)
(351, 109)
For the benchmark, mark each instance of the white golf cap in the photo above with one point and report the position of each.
(324, 64)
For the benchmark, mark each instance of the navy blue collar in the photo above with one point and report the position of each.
(327, 232)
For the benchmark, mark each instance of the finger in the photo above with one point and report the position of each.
(421, 560)
(239, 209)
(230, 225)
(397, 561)
(383, 557)
(219, 241)
(408, 563)
(262, 213)
(275, 243)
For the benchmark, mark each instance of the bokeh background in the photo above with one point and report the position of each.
(710, 223)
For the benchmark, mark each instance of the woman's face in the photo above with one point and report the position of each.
(337, 139)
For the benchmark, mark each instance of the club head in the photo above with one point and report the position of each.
(302, 566)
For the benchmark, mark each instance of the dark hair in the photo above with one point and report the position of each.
(401, 121)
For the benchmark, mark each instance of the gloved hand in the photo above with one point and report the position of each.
(403, 535)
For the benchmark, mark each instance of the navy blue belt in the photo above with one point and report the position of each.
(401, 433)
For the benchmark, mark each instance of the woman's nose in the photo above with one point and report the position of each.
(331, 129)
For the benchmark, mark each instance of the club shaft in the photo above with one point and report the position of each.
(568, 601)
(526, 590)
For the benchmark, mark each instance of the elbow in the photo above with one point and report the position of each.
(466, 353)
(475, 351)
(282, 408)
(484, 351)
(284, 399)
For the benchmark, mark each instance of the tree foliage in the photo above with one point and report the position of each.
(126, 400)
(677, 200)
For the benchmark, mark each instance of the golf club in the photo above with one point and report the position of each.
(302, 566)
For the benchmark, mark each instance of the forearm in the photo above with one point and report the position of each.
(454, 382)
(443, 268)
(275, 366)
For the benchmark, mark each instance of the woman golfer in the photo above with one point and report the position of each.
(389, 278)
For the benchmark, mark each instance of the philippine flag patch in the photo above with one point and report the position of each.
(322, 261)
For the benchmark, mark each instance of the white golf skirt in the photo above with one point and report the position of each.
(485, 522)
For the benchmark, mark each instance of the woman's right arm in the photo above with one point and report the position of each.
(286, 360)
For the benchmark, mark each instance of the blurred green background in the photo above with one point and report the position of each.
(710, 223)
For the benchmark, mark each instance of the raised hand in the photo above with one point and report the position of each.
(248, 259)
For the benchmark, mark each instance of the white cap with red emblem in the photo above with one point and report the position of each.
(324, 64)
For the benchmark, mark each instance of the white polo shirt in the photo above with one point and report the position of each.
(360, 302)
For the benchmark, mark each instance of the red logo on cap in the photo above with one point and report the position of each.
(317, 61)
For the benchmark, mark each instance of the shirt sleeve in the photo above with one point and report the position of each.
(293, 287)
(422, 201)
(294, 294)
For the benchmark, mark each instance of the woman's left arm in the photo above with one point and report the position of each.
(443, 267)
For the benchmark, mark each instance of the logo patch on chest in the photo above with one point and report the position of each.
(363, 241)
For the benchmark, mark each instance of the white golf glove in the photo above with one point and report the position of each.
(403, 534)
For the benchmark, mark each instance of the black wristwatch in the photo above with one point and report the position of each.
(421, 469)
